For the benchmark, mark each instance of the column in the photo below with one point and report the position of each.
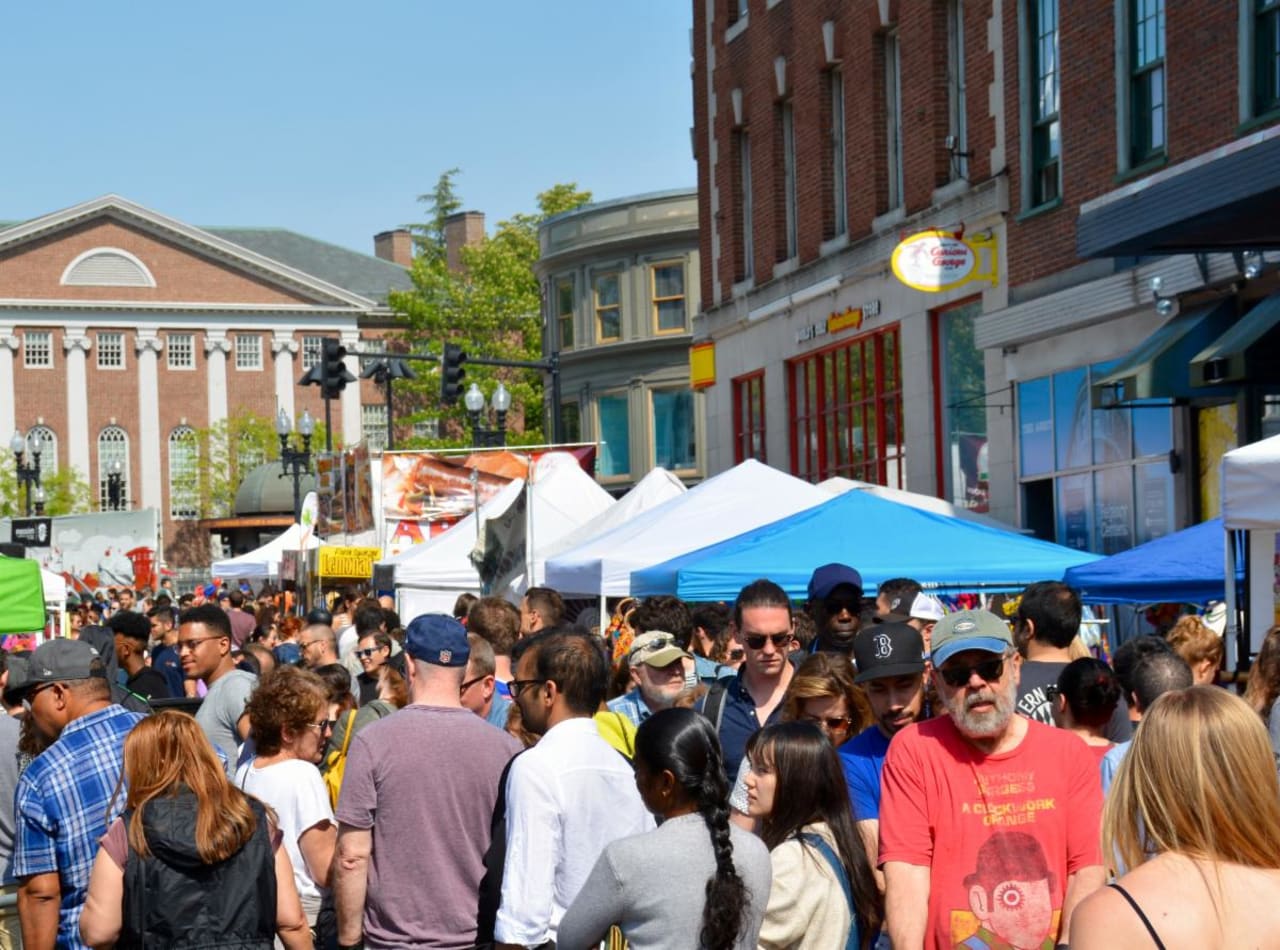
(76, 344)
(216, 348)
(285, 348)
(351, 422)
(148, 346)
(9, 344)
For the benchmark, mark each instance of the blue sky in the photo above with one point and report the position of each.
(330, 118)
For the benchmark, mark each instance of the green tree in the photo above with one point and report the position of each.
(492, 307)
(67, 492)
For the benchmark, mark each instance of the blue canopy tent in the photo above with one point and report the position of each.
(882, 539)
(1185, 567)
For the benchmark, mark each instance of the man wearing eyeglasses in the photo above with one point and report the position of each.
(983, 778)
(656, 664)
(204, 646)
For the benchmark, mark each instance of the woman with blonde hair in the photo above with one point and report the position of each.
(193, 861)
(1192, 640)
(1195, 814)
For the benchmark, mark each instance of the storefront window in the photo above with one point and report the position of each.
(964, 411)
(675, 443)
(615, 436)
(748, 417)
(1035, 426)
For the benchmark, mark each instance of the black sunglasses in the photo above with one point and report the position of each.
(756, 640)
(988, 670)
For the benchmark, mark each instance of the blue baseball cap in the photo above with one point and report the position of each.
(437, 639)
(830, 576)
(969, 630)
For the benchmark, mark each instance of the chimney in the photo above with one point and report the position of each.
(394, 246)
(464, 229)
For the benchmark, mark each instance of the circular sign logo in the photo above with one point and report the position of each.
(933, 260)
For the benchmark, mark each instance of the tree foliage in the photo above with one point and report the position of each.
(67, 492)
(492, 307)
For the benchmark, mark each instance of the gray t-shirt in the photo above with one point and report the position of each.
(425, 780)
(9, 730)
(1034, 704)
(222, 708)
(654, 887)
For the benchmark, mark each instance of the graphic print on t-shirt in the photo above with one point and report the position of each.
(1010, 897)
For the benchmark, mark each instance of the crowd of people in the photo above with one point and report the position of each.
(862, 772)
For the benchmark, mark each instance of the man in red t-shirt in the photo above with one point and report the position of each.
(988, 821)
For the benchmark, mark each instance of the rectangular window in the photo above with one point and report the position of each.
(746, 211)
(790, 233)
(614, 459)
(376, 345)
(845, 404)
(963, 423)
(675, 436)
(564, 313)
(373, 424)
(426, 429)
(181, 348)
(608, 307)
(748, 418)
(957, 125)
(1146, 82)
(737, 10)
(248, 351)
(312, 350)
(1266, 57)
(110, 350)
(668, 297)
(1046, 145)
(37, 349)
(893, 118)
(571, 422)
(839, 195)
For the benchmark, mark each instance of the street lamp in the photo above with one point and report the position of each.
(28, 472)
(292, 461)
(115, 485)
(482, 437)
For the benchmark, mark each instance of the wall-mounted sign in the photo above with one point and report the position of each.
(838, 321)
(348, 562)
(702, 365)
(848, 319)
(937, 260)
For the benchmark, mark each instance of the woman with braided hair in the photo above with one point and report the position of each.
(694, 882)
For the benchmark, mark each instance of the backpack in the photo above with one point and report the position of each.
(336, 764)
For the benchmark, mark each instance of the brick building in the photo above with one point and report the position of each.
(122, 331)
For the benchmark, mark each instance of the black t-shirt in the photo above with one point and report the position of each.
(1034, 704)
(148, 683)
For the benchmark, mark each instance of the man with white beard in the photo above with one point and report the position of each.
(656, 662)
(988, 821)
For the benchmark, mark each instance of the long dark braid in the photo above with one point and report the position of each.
(684, 743)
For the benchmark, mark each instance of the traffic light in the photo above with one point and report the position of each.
(334, 374)
(451, 374)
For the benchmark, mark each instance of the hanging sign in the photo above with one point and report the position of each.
(937, 260)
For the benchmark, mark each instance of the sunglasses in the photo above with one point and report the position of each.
(365, 654)
(756, 640)
(323, 726)
(988, 670)
(832, 724)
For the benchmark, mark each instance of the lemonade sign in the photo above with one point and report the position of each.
(937, 260)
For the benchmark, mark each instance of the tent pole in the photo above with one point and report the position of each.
(1233, 631)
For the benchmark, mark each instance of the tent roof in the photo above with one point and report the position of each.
(21, 595)
(1250, 475)
(881, 539)
(263, 561)
(745, 496)
(563, 497)
(839, 485)
(1183, 567)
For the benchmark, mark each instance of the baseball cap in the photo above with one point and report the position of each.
(655, 648)
(969, 630)
(830, 576)
(437, 639)
(925, 607)
(888, 649)
(320, 615)
(58, 660)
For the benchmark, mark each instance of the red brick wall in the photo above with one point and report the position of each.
(42, 394)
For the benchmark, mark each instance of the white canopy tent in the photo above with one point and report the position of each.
(840, 485)
(744, 497)
(264, 562)
(431, 575)
(1250, 489)
(55, 587)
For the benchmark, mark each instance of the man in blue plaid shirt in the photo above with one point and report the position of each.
(656, 662)
(64, 800)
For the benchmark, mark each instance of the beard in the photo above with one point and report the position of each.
(986, 724)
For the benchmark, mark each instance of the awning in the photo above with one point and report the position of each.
(1226, 199)
(1248, 351)
(1158, 368)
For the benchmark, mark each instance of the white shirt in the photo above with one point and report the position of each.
(295, 791)
(567, 797)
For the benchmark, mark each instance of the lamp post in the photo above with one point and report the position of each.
(482, 437)
(28, 472)
(294, 462)
(115, 485)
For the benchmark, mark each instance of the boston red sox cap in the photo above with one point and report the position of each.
(888, 649)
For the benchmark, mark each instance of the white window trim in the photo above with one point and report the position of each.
(653, 429)
(255, 354)
(169, 350)
(124, 361)
(26, 364)
(302, 351)
(119, 252)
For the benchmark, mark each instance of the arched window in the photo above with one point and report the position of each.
(113, 448)
(107, 267)
(48, 448)
(184, 474)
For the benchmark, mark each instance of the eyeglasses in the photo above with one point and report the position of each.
(756, 640)
(31, 696)
(469, 683)
(988, 670)
(736, 655)
(189, 646)
(518, 686)
(323, 726)
(832, 724)
(309, 643)
(363, 654)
